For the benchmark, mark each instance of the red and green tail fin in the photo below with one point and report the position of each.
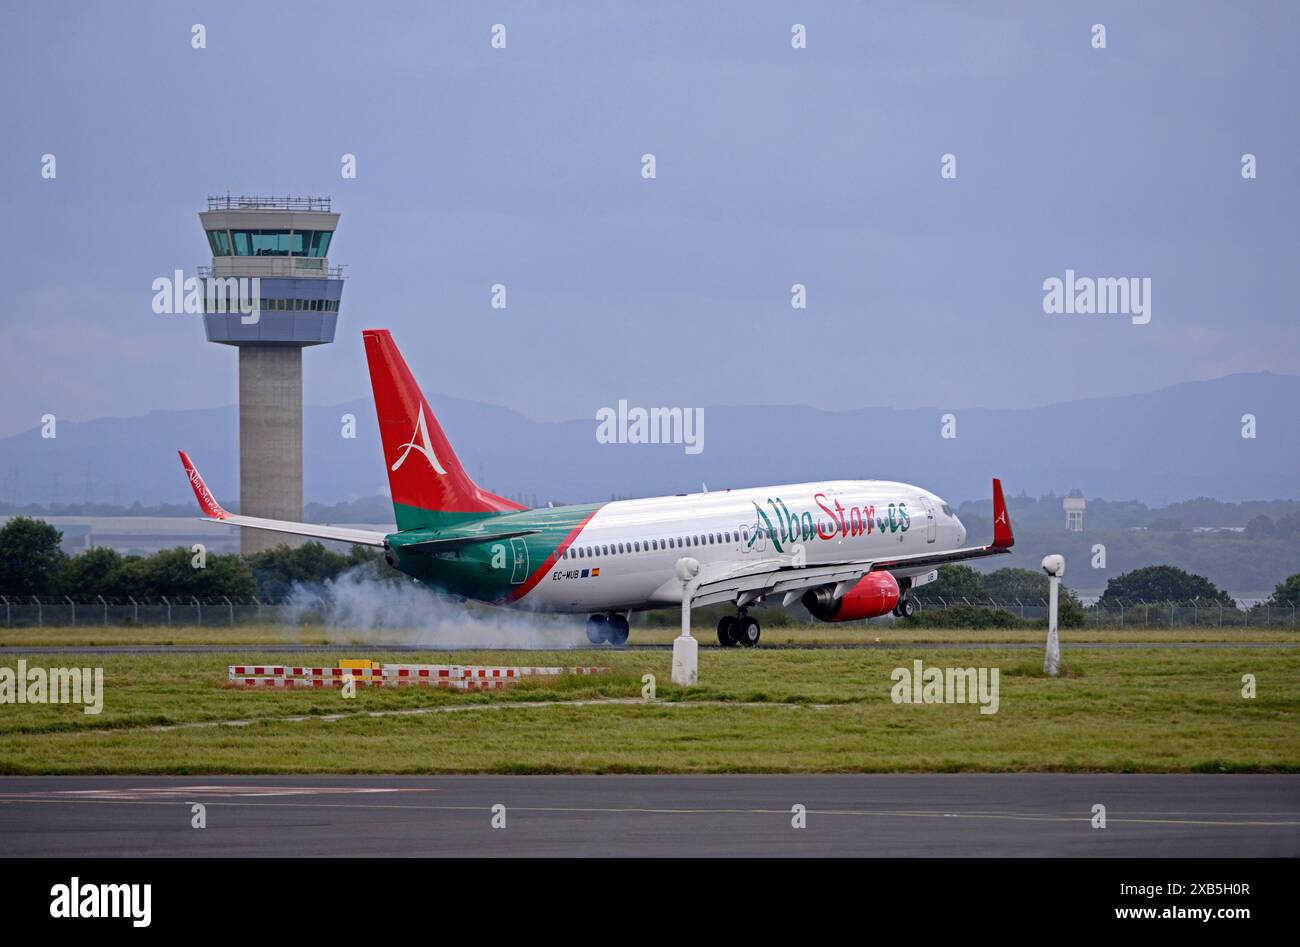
(430, 488)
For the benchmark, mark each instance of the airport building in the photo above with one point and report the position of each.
(271, 256)
(1074, 505)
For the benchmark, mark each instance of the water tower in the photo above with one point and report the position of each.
(284, 244)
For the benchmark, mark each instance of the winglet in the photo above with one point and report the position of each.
(207, 502)
(1002, 536)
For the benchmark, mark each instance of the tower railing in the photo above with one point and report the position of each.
(253, 202)
(204, 270)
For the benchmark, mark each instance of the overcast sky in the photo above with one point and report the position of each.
(775, 166)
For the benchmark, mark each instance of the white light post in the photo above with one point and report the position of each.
(1054, 566)
(686, 650)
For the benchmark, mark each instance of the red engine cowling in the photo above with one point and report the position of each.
(875, 594)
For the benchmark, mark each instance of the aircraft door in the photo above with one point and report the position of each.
(519, 553)
(931, 524)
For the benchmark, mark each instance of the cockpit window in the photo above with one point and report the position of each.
(947, 510)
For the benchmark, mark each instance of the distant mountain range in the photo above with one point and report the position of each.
(1168, 445)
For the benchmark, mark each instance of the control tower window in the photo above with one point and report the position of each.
(312, 243)
(319, 242)
(271, 243)
(260, 242)
(220, 242)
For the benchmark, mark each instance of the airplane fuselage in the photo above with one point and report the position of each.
(622, 555)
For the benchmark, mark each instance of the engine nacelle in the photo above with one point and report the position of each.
(875, 594)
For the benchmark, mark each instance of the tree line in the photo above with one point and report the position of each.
(1154, 584)
(31, 563)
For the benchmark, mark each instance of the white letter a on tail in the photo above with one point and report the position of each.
(424, 447)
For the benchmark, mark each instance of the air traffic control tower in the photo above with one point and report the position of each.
(284, 244)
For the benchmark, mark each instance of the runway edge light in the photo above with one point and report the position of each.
(1054, 566)
(686, 650)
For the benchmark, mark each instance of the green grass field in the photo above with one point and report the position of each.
(265, 634)
(1151, 709)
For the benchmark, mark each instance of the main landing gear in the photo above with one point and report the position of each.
(739, 629)
(905, 608)
(612, 628)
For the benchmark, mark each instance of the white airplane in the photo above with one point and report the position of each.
(846, 549)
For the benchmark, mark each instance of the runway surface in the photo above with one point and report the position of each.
(866, 815)
(378, 647)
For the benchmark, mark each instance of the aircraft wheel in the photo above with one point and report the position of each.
(746, 632)
(725, 626)
(597, 628)
(616, 630)
(907, 608)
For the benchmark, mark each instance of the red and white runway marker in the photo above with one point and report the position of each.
(455, 676)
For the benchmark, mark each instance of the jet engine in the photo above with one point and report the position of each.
(876, 593)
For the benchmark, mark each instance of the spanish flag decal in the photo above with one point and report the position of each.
(595, 572)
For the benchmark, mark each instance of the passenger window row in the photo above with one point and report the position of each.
(650, 545)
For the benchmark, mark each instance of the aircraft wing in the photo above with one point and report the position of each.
(213, 513)
(779, 576)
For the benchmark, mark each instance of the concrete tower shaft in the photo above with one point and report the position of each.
(270, 439)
